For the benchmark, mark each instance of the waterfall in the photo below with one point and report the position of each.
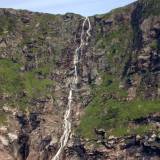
(67, 120)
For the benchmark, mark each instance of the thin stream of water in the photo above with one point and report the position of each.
(67, 120)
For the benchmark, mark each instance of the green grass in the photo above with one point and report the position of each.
(2, 118)
(45, 70)
(114, 114)
(34, 86)
(116, 44)
(14, 83)
(9, 77)
(154, 45)
(117, 11)
(7, 24)
(126, 130)
(151, 8)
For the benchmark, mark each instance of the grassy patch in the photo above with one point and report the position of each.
(9, 77)
(108, 110)
(151, 8)
(34, 86)
(14, 83)
(7, 24)
(2, 119)
(116, 44)
(126, 130)
(154, 45)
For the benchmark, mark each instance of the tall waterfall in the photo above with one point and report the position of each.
(67, 119)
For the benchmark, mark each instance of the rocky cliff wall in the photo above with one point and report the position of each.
(115, 111)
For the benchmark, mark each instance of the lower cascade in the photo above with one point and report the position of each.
(67, 119)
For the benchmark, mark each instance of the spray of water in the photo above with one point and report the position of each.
(67, 120)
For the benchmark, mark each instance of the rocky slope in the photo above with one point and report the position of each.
(116, 109)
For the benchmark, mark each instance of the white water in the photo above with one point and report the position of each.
(67, 122)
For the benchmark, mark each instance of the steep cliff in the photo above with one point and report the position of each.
(115, 109)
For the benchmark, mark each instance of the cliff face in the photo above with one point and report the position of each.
(116, 109)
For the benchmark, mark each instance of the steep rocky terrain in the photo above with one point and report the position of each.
(116, 108)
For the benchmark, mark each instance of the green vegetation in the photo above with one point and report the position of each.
(21, 87)
(109, 108)
(44, 70)
(34, 86)
(110, 111)
(2, 118)
(48, 37)
(9, 77)
(126, 130)
(154, 44)
(150, 8)
(14, 83)
(117, 11)
(6, 24)
(116, 44)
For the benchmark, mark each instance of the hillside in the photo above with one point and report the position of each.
(116, 106)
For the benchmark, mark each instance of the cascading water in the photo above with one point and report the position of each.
(67, 122)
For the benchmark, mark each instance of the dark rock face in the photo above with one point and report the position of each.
(34, 120)
(36, 57)
(45, 142)
(23, 146)
(149, 119)
(136, 19)
(22, 119)
(132, 147)
(146, 146)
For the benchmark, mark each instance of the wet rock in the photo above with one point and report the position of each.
(34, 120)
(130, 141)
(22, 119)
(95, 155)
(23, 141)
(79, 150)
(45, 142)
(149, 119)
